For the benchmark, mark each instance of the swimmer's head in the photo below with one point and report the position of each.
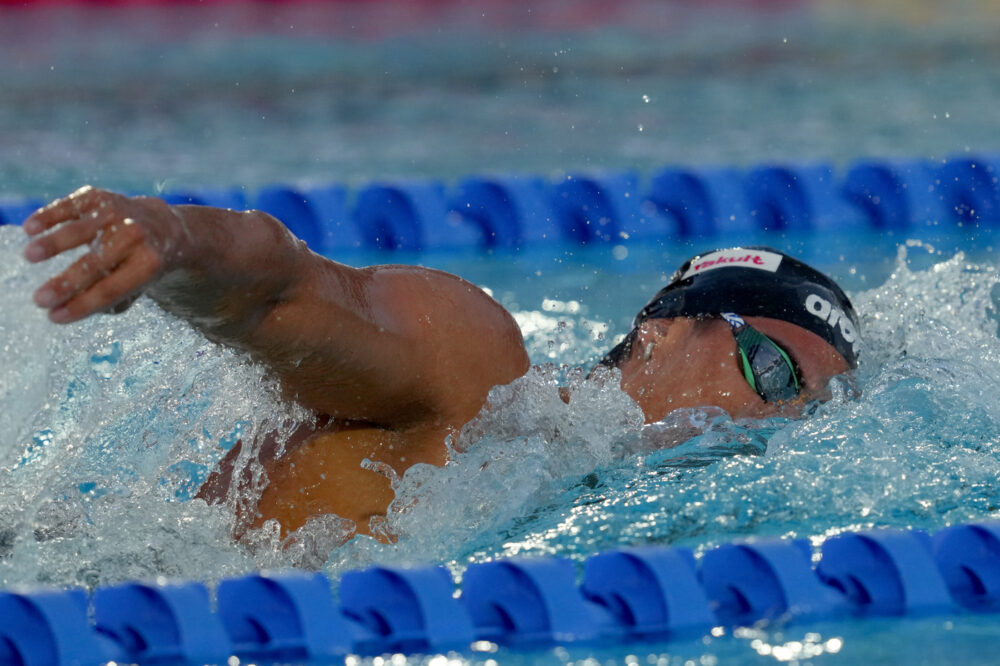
(749, 327)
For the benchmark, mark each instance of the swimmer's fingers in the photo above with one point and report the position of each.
(122, 285)
(65, 209)
(84, 229)
(81, 275)
(130, 241)
(99, 284)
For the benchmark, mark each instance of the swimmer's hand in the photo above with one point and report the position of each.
(132, 242)
(221, 270)
(398, 347)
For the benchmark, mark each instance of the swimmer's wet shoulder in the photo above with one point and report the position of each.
(426, 352)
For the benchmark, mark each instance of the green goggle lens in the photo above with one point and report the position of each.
(766, 366)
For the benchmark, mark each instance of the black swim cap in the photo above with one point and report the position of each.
(754, 281)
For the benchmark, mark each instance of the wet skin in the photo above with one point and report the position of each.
(391, 359)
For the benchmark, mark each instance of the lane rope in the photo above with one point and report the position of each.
(520, 211)
(629, 594)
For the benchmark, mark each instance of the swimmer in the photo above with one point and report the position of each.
(393, 359)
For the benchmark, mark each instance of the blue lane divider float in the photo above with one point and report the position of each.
(530, 602)
(885, 573)
(406, 610)
(964, 554)
(629, 594)
(168, 623)
(411, 217)
(316, 215)
(771, 580)
(598, 209)
(673, 202)
(650, 591)
(513, 211)
(284, 617)
(48, 627)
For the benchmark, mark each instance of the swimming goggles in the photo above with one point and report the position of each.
(766, 366)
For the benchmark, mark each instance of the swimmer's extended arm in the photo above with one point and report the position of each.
(395, 346)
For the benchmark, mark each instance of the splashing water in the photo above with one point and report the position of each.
(109, 426)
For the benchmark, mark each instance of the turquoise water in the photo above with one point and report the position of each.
(108, 425)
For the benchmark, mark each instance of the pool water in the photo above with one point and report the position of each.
(117, 418)
(108, 426)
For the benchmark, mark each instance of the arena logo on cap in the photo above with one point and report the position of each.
(733, 258)
(835, 317)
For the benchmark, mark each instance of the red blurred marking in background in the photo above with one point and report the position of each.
(369, 19)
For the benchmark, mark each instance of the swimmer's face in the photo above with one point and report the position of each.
(683, 362)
